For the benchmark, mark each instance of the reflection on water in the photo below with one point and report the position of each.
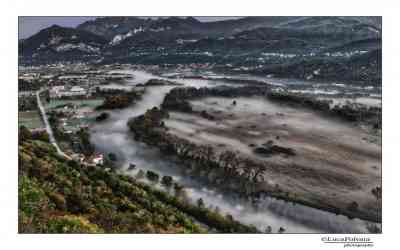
(113, 136)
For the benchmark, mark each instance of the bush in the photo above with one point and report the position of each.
(73, 164)
(43, 136)
(200, 203)
(152, 176)
(87, 147)
(167, 181)
(353, 206)
(76, 203)
(58, 199)
(71, 224)
(112, 157)
(24, 134)
(32, 198)
(103, 116)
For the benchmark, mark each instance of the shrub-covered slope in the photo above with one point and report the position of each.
(60, 196)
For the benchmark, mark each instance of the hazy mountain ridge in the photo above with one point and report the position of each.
(108, 27)
(272, 44)
(60, 43)
(115, 35)
(364, 69)
(121, 25)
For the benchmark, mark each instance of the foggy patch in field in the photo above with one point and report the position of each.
(368, 101)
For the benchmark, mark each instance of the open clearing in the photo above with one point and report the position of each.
(333, 164)
(30, 119)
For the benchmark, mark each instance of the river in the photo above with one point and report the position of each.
(113, 136)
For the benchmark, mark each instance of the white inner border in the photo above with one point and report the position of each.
(10, 11)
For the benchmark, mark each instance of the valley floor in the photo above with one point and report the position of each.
(335, 164)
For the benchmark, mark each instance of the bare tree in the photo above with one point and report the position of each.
(259, 171)
(209, 153)
(247, 169)
(227, 159)
(183, 148)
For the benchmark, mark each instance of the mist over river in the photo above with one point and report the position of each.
(113, 136)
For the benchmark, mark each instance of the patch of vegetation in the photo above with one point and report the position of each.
(60, 196)
(71, 224)
(120, 100)
(25, 134)
(103, 116)
(87, 146)
(160, 82)
(27, 103)
(152, 176)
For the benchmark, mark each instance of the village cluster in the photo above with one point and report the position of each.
(69, 95)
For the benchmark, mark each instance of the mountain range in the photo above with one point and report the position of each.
(265, 42)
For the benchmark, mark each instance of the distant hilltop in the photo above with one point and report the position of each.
(253, 43)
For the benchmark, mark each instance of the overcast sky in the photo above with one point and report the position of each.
(31, 25)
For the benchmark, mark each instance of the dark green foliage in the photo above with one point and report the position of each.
(160, 82)
(27, 103)
(112, 157)
(87, 146)
(200, 203)
(24, 134)
(167, 181)
(152, 176)
(71, 224)
(120, 100)
(103, 116)
(43, 136)
(58, 199)
(32, 198)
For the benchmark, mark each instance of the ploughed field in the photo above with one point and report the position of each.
(313, 159)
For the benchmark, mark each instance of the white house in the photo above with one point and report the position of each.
(60, 91)
(55, 92)
(77, 91)
(98, 159)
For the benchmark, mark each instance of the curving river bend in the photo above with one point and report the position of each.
(113, 136)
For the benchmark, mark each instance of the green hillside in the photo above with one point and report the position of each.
(60, 196)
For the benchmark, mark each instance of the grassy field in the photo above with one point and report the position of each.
(30, 119)
(74, 124)
(81, 103)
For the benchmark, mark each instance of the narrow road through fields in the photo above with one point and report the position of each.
(48, 128)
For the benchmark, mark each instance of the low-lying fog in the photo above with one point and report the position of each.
(113, 136)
